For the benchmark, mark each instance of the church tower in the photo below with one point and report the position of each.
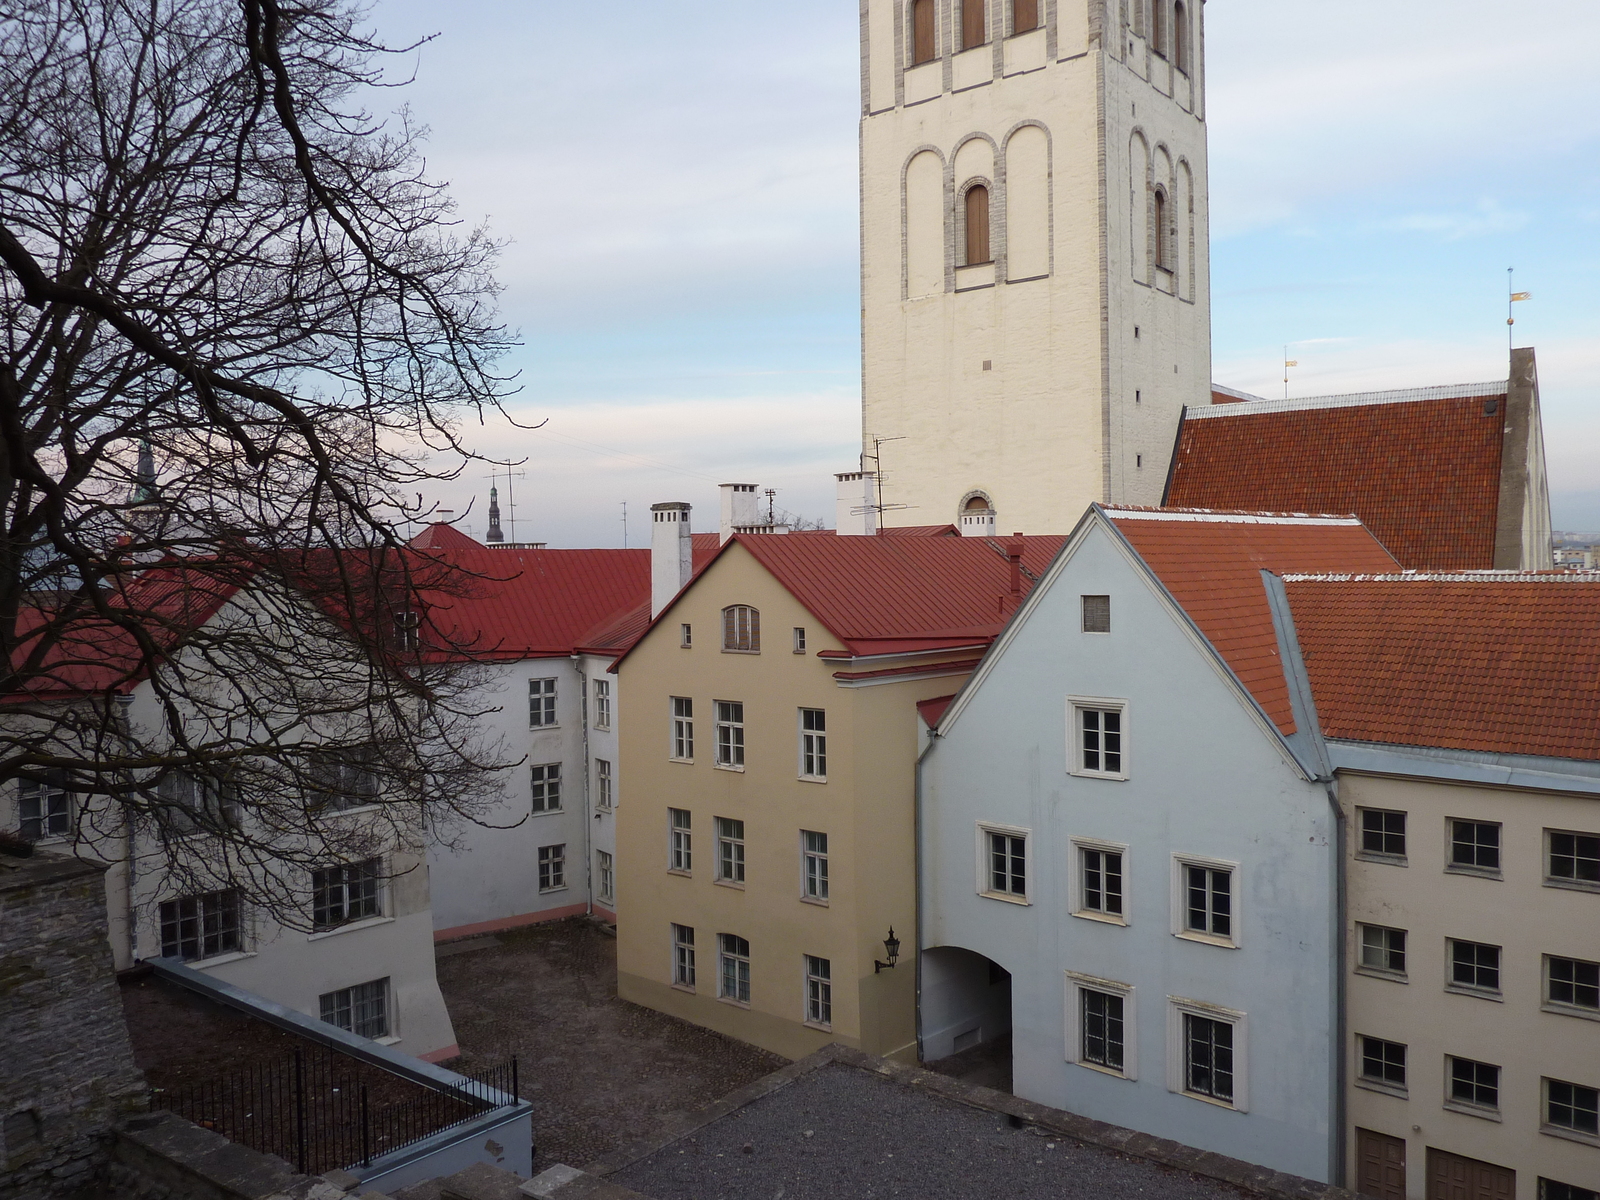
(1035, 275)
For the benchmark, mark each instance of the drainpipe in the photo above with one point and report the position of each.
(1341, 986)
(933, 738)
(124, 702)
(588, 835)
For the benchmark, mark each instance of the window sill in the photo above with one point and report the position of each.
(1375, 973)
(1569, 1135)
(1474, 1110)
(1212, 1100)
(725, 650)
(817, 1025)
(1207, 939)
(1386, 1089)
(734, 884)
(1570, 1010)
(391, 1040)
(688, 762)
(1113, 776)
(1461, 989)
(552, 891)
(1007, 898)
(546, 812)
(733, 1003)
(1103, 918)
(540, 728)
(812, 778)
(730, 767)
(220, 960)
(814, 901)
(686, 988)
(1572, 885)
(682, 874)
(1113, 1072)
(1388, 860)
(1478, 872)
(349, 927)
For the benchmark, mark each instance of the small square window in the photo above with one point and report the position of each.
(683, 956)
(1474, 1083)
(199, 927)
(1382, 949)
(362, 1010)
(1006, 871)
(730, 850)
(734, 955)
(45, 809)
(1206, 901)
(799, 640)
(1100, 889)
(1383, 834)
(1383, 1062)
(1098, 739)
(1573, 983)
(1572, 1107)
(1572, 859)
(819, 991)
(1475, 847)
(552, 868)
(679, 840)
(345, 893)
(545, 781)
(1475, 966)
(1097, 614)
(541, 703)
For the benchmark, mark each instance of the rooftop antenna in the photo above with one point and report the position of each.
(1511, 318)
(772, 494)
(624, 524)
(877, 477)
(511, 503)
(1287, 363)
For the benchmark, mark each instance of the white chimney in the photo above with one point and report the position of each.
(978, 518)
(671, 554)
(857, 512)
(740, 506)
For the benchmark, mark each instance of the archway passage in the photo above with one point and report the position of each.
(966, 1017)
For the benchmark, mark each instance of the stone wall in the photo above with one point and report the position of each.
(67, 1074)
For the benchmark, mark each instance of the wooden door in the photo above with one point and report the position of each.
(1452, 1177)
(1380, 1165)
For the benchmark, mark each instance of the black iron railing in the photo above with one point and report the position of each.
(316, 1111)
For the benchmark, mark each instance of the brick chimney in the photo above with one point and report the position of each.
(671, 554)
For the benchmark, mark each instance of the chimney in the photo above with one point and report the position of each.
(671, 554)
(977, 518)
(857, 512)
(740, 506)
(1014, 557)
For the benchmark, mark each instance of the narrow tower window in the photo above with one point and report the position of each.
(1024, 15)
(974, 26)
(1158, 27)
(1160, 205)
(923, 48)
(1180, 36)
(978, 225)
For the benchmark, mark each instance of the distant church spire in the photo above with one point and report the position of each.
(144, 486)
(494, 515)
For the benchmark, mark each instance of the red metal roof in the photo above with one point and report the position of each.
(1212, 562)
(932, 710)
(442, 536)
(1506, 663)
(921, 531)
(1422, 474)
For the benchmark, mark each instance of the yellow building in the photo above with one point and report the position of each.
(766, 844)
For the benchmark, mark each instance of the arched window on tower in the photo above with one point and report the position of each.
(977, 219)
(924, 46)
(1180, 36)
(974, 24)
(1024, 15)
(1158, 26)
(1162, 256)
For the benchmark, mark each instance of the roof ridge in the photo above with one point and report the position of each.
(1223, 516)
(1448, 391)
(1453, 577)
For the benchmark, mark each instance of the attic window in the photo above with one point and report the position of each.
(741, 629)
(978, 504)
(1097, 614)
(407, 630)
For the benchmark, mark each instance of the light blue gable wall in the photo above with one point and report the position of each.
(1205, 779)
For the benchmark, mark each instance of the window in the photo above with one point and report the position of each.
(679, 843)
(1383, 834)
(344, 784)
(204, 926)
(1208, 1057)
(1207, 900)
(1006, 868)
(1549, 1189)
(347, 892)
(606, 873)
(45, 808)
(193, 804)
(1098, 736)
(1100, 873)
(1102, 1029)
(1158, 27)
(741, 629)
(1474, 965)
(1572, 1107)
(814, 865)
(1573, 982)
(974, 24)
(734, 953)
(1180, 37)
(1383, 949)
(977, 218)
(541, 703)
(362, 1010)
(1573, 859)
(683, 729)
(605, 798)
(799, 640)
(1097, 614)
(1159, 204)
(730, 734)
(408, 631)
(602, 704)
(546, 781)
(924, 47)
(686, 637)
(552, 868)
(1024, 15)
(813, 743)
(1475, 847)
(1383, 1062)
(1474, 1083)
(730, 850)
(819, 991)
(683, 956)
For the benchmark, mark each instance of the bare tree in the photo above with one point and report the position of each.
(241, 328)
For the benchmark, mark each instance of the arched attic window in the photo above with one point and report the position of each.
(977, 219)
(974, 24)
(978, 504)
(1163, 258)
(1158, 27)
(741, 629)
(1180, 36)
(1024, 15)
(924, 46)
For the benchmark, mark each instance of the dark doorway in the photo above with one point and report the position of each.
(1380, 1165)
(966, 1017)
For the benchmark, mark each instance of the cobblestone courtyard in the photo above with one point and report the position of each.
(598, 1070)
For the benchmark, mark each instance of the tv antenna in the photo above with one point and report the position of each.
(877, 474)
(624, 524)
(511, 503)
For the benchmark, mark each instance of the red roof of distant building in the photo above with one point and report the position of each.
(1421, 468)
(921, 531)
(932, 710)
(441, 536)
(1506, 663)
(1211, 563)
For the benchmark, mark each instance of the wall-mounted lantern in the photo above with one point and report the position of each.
(892, 945)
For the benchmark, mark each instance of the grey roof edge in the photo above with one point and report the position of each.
(1526, 771)
(1449, 391)
(1307, 742)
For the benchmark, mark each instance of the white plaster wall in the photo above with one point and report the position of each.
(603, 745)
(1205, 780)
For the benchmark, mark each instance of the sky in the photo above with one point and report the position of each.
(676, 188)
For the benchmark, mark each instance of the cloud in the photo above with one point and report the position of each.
(1489, 218)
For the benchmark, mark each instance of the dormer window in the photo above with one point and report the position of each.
(408, 631)
(1024, 15)
(741, 629)
(924, 46)
(977, 217)
(974, 25)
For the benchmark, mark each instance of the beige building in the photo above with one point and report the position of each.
(766, 844)
(1035, 269)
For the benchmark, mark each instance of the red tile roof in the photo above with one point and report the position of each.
(1422, 473)
(442, 536)
(1212, 562)
(1507, 663)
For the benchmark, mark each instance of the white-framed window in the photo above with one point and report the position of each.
(741, 630)
(1207, 1052)
(733, 968)
(602, 704)
(1474, 967)
(682, 745)
(1381, 1064)
(1572, 986)
(204, 926)
(1572, 859)
(1549, 1189)
(552, 867)
(813, 743)
(605, 797)
(1097, 737)
(730, 850)
(1474, 847)
(1383, 835)
(799, 639)
(192, 804)
(1381, 950)
(1096, 614)
(1205, 897)
(541, 703)
(545, 781)
(346, 892)
(680, 841)
(730, 734)
(44, 808)
(345, 783)
(1571, 1110)
(1101, 1031)
(686, 636)
(1471, 1086)
(819, 991)
(814, 866)
(683, 956)
(605, 875)
(1100, 890)
(362, 1010)
(1003, 862)
(407, 631)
